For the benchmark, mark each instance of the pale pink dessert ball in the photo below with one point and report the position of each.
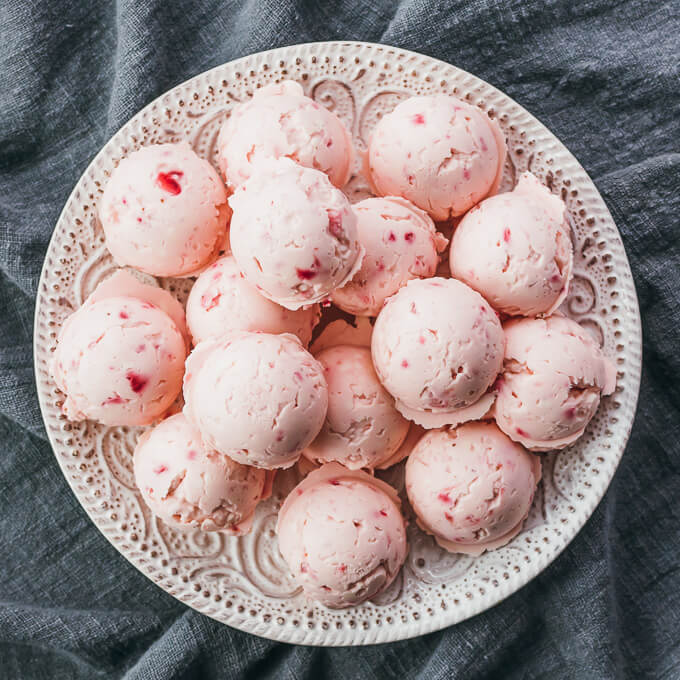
(293, 234)
(222, 300)
(120, 356)
(259, 398)
(164, 211)
(437, 346)
(553, 378)
(280, 122)
(438, 152)
(363, 428)
(471, 487)
(342, 535)
(190, 486)
(401, 244)
(515, 250)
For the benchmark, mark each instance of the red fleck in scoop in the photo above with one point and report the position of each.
(391, 236)
(520, 432)
(123, 314)
(404, 364)
(418, 119)
(192, 455)
(161, 469)
(335, 223)
(137, 382)
(409, 236)
(208, 301)
(308, 274)
(169, 181)
(506, 235)
(116, 399)
(305, 274)
(444, 497)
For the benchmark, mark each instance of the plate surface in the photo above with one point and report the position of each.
(242, 581)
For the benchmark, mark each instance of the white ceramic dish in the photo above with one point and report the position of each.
(242, 581)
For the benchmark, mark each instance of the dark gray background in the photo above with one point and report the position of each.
(603, 76)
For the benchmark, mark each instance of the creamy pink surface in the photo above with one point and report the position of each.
(401, 243)
(362, 427)
(222, 300)
(164, 211)
(437, 347)
(293, 234)
(438, 152)
(342, 535)
(259, 398)
(554, 375)
(189, 486)
(515, 250)
(279, 121)
(471, 487)
(119, 358)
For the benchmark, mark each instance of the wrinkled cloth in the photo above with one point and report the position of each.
(602, 75)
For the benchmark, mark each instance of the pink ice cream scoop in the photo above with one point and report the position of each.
(342, 535)
(437, 347)
(438, 152)
(471, 487)
(222, 300)
(189, 486)
(401, 243)
(259, 398)
(554, 375)
(164, 211)
(515, 250)
(280, 122)
(293, 234)
(120, 356)
(362, 428)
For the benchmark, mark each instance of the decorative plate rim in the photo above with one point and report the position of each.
(451, 616)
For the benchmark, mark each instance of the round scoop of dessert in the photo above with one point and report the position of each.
(362, 427)
(554, 375)
(515, 250)
(259, 398)
(293, 234)
(222, 300)
(120, 356)
(438, 152)
(342, 535)
(437, 348)
(189, 486)
(281, 122)
(471, 487)
(400, 243)
(164, 211)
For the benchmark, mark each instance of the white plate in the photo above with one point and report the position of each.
(242, 581)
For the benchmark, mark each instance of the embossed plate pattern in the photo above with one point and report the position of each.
(243, 581)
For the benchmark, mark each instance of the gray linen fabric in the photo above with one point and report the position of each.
(603, 75)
